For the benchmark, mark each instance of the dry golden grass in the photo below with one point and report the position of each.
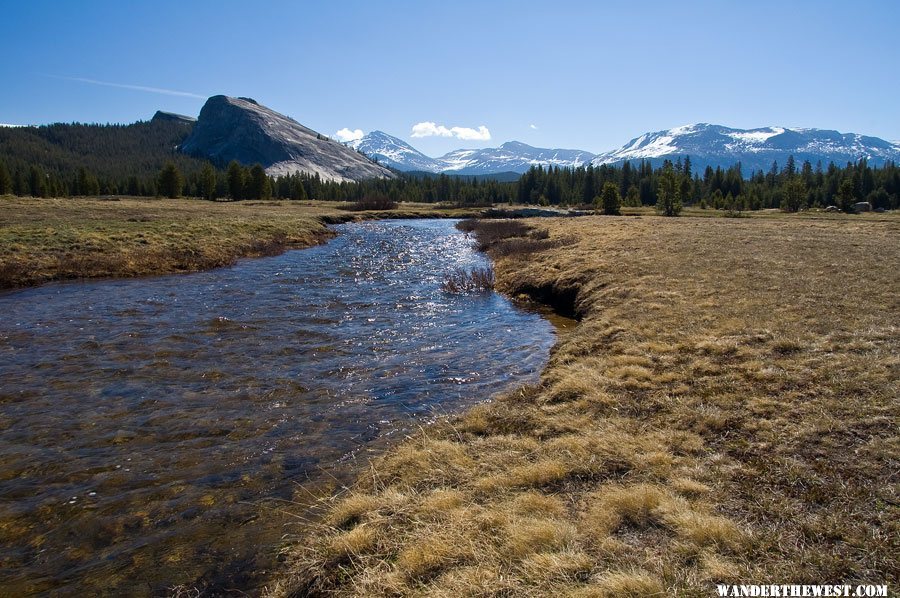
(57, 239)
(726, 410)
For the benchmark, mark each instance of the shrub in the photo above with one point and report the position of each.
(477, 280)
(374, 202)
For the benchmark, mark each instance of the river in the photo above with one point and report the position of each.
(161, 432)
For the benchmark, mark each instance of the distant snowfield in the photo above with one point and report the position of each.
(756, 135)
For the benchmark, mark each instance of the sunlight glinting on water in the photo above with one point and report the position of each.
(142, 420)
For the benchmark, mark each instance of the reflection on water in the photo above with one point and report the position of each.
(147, 427)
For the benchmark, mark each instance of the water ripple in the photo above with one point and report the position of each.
(142, 420)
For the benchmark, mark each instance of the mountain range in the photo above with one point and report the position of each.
(755, 149)
(706, 144)
(512, 156)
(241, 129)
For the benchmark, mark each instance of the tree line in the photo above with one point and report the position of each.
(140, 159)
(790, 188)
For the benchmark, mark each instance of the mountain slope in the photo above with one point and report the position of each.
(172, 117)
(512, 156)
(243, 130)
(113, 153)
(395, 153)
(755, 149)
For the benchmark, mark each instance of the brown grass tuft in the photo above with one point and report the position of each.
(621, 584)
(705, 530)
(640, 505)
(532, 535)
(354, 543)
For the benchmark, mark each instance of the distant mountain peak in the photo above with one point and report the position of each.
(393, 152)
(516, 145)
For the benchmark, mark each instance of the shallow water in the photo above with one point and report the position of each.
(151, 430)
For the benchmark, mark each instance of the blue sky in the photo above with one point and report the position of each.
(585, 75)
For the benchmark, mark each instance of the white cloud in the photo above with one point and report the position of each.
(430, 129)
(533, 127)
(346, 134)
(479, 134)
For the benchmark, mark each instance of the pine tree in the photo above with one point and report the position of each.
(208, 182)
(5, 179)
(258, 186)
(668, 202)
(846, 195)
(298, 191)
(793, 196)
(37, 181)
(19, 186)
(633, 197)
(790, 169)
(588, 191)
(133, 186)
(610, 199)
(235, 180)
(170, 181)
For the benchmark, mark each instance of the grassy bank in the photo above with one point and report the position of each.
(42, 240)
(726, 410)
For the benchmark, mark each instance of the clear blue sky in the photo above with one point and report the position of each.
(587, 75)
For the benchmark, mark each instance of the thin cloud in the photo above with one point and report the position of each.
(159, 90)
(431, 129)
(533, 127)
(346, 134)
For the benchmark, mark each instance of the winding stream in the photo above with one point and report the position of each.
(151, 430)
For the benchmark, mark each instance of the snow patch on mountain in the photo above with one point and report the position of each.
(756, 149)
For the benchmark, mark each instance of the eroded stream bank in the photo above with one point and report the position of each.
(151, 429)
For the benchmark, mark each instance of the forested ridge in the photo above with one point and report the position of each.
(141, 159)
(61, 160)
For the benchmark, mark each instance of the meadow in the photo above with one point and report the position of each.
(724, 411)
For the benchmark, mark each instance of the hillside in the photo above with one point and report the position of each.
(119, 158)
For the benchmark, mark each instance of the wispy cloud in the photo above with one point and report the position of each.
(145, 88)
(346, 134)
(533, 127)
(431, 129)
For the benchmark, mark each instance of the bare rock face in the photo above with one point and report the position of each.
(241, 129)
(172, 117)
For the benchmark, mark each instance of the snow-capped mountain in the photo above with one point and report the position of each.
(512, 156)
(706, 144)
(395, 153)
(755, 149)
